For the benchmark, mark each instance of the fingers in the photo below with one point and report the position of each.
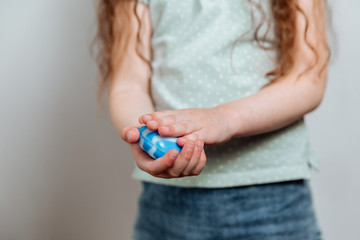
(169, 123)
(155, 123)
(199, 144)
(183, 160)
(147, 117)
(179, 129)
(190, 137)
(151, 166)
(200, 165)
(190, 162)
(168, 127)
(130, 134)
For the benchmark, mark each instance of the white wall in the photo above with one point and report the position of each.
(335, 129)
(64, 172)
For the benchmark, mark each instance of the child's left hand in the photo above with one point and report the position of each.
(212, 125)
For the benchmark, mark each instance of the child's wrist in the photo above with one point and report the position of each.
(228, 120)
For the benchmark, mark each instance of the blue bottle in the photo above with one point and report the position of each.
(154, 144)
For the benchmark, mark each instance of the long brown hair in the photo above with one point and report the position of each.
(283, 17)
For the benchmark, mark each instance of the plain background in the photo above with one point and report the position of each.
(64, 171)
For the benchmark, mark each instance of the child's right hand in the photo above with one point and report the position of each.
(190, 162)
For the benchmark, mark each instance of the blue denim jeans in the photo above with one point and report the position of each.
(276, 211)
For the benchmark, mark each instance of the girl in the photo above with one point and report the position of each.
(233, 80)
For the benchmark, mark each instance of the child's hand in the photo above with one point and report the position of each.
(210, 124)
(190, 162)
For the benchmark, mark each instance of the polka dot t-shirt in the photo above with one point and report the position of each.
(191, 42)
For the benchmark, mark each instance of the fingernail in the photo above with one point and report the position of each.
(191, 147)
(173, 155)
(199, 144)
(153, 123)
(146, 117)
(128, 135)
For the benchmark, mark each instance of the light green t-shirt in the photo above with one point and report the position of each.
(191, 45)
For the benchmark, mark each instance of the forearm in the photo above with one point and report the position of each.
(273, 107)
(126, 107)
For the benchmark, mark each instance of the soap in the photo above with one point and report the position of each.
(155, 145)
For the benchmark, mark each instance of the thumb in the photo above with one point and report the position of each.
(130, 134)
